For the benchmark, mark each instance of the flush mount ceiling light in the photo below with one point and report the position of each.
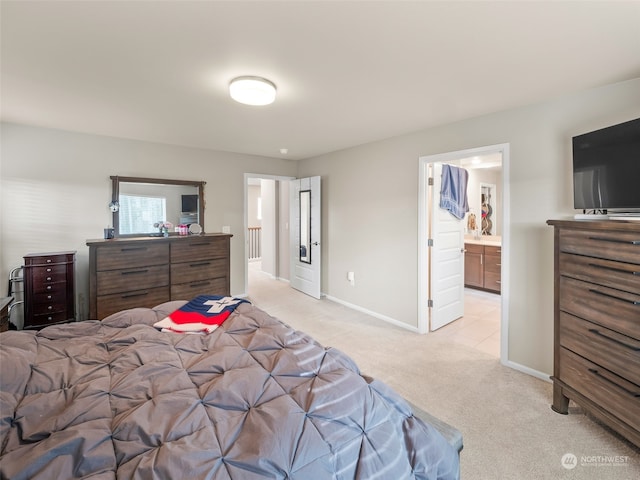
(252, 90)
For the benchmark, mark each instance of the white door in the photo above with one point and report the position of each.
(446, 259)
(305, 235)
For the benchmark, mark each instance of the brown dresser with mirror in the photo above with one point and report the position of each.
(146, 271)
(597, 321)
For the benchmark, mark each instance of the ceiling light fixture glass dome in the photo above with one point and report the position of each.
(252, 90)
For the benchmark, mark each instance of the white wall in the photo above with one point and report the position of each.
(268, 189)
(370, 208)
(253, 193)
(56, 190)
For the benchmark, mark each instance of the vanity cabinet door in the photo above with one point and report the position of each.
(492, 268)
(473, 265)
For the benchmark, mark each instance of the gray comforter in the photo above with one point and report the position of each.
(253, 400)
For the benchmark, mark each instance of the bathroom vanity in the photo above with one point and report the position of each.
(482, 263)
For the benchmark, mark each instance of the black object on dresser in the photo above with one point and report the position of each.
(597, 321)
(144, 272)
(49, 289)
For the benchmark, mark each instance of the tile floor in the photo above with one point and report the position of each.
(479, 328)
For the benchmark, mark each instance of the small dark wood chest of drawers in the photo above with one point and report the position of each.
(144, 272)
(49, 289)
(597, 321)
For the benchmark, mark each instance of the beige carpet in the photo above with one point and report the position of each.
(509, 429)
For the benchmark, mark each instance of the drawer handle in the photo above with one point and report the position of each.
(49, 270)
(626, 390)
(198, 284)
(632, 302)
(139, 294)
(201, 264)
(498, 264)
(134, 272)
(48, 279)
(200, 244)
(49, 287)
(615, 240)
(613, 269)
(619, 342)
(132, 249)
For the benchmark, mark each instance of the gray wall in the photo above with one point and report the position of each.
(56, 191)
(370, 209)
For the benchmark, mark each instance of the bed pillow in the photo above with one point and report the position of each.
(203, 314)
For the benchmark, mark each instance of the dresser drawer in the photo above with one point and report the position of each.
(49, 273)
(607, 348)
(198, 270)
(60, 295)
(188, 249)
(611, 308)
(51, 307)
(619, 246)
(212, 286)
(622, 276)
(131, 256)
(50, 287)
(42, 320)
(621, 397)
(49, 258)
(108, 304)
(139, 278)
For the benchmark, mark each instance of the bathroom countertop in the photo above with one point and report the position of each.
(491, 240)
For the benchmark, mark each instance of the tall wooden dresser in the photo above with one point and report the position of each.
(144, 271)
(49, 289)
(597, 321)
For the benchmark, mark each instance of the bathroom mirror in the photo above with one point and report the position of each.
(138, 204)
(487, 208)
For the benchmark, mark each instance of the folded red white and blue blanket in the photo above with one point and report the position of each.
(201, 315)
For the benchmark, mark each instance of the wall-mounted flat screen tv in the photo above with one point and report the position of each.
(189, 203)
(606, 168)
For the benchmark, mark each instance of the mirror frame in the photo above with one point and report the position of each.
(115, 193)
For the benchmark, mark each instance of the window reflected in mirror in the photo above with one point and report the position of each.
(148, 206)
(305, 226)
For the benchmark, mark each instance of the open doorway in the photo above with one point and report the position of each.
(483, 306)
(266, 228)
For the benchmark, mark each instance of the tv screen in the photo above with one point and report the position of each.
(606, 168)
(189, 203)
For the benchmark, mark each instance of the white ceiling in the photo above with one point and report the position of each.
(347, 72)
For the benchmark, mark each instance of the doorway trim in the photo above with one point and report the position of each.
(423, 235)
(245, 222)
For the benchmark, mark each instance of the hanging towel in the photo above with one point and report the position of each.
(453, 196)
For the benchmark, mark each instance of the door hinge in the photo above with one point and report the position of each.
(430, 242)
(430, 303)
(430, 181)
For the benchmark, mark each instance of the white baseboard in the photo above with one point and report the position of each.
(529, 371)
(379, 316)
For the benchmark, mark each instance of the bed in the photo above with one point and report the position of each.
(254, 399)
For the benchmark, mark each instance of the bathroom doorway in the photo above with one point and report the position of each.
(485, 321)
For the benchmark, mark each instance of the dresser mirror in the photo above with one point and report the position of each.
(155, 206)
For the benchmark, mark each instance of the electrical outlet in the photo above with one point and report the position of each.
(226, 229)
(351, 277)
